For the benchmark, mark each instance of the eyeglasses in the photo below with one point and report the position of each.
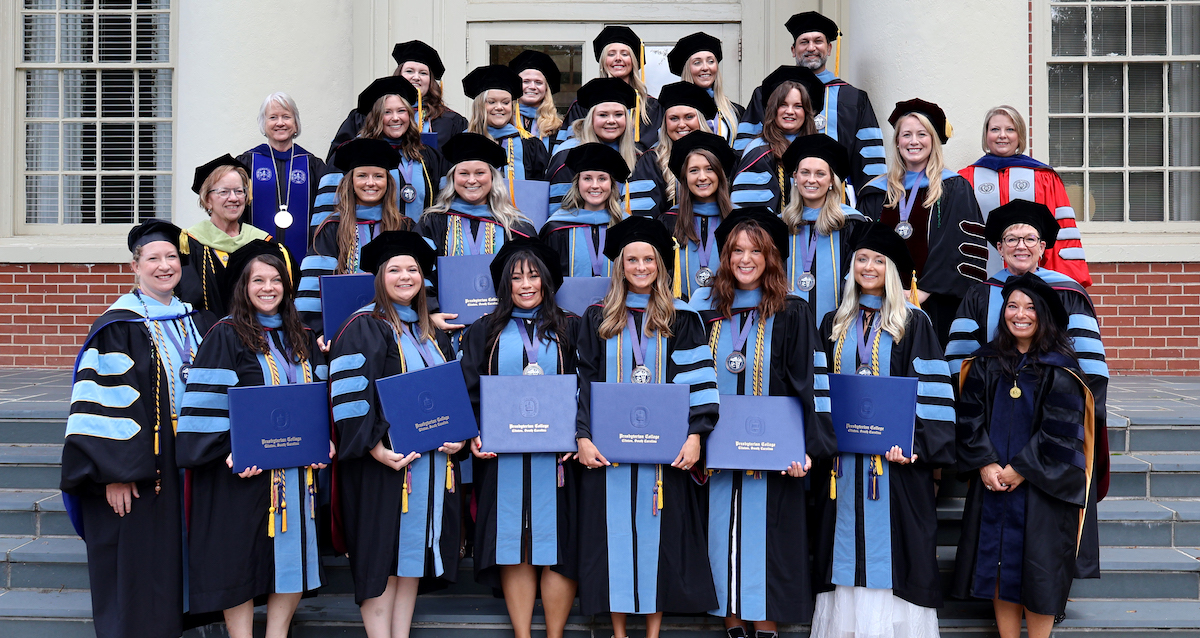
(1030, 241)
(226, 193)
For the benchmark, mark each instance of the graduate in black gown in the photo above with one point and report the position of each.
(253, 534)
(877, 543)
(642, 548)
(577, 230)
(607, 104)
(701, 163)
(696, 58)
(526, 521)
(421, 65)
(932, 208)
(765, 342)
(494, 91)
(121, 484)
(540, 80)
(1025, 440)
(401, 514)
(653, 188)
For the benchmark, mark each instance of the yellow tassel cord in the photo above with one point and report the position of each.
(628, 208)
(837, 55)
(420, 113)
(657, 503)
(449, 474)
(406, 490)
(512, 174)
(312, 492)
(913, 296)
(637, 117)
(677, 280)
(283, 500)
(783, 194)
(833, 476)
(274, 507)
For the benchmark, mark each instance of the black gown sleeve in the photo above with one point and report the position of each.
(536, 158)
(691, 363)
(220, 360)
(359, 356)
(805, 376)
(590, 354)
(475, 358)
(1055, 458)
(974, 444)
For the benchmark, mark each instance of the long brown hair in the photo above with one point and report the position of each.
(684, 230)
(344, 212)
(385, 311)
(773, 283)
(660, 311)
(410, 140)
(771, 134)
(245, 317)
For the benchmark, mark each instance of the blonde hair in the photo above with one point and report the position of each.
(217, 175)
(345, 213)
(478, 123)
(498, 200)
(893, 313)
(548, 119)
(830, 217)
(933, 168)
(662, 152)
(660, 311)
(573, 200)
(1018, 123)
(410, 139)
(284, 101)
(633, 79)
(585, 132)
(724, 104)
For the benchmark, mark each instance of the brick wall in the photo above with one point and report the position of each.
(1149, 313)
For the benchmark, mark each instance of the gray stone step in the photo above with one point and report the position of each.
(33, 513)
(1155, 475)
(32, 430)
(30, 466)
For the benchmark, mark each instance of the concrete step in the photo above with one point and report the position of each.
(33, 513)
(1155, 475)
(30, 466)
(31, 430)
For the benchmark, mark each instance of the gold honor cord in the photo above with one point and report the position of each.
(512, 172)
(278, 478)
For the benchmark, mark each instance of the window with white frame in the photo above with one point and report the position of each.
(1124, 107)
(95, 90)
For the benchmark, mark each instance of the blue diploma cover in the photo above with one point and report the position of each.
(871, 414)
(279, 426)
(533, 200)
(640, 422)
(577, 293)
(528, 413)
(430, 140)
(426, 408)
(465, 286)
(756, 433)
(341, 296)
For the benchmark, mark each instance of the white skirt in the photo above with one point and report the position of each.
(858, 612)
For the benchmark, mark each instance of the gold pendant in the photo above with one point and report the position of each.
(1015, 392)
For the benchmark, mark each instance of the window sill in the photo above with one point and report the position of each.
(64, 249)
(1114, 242)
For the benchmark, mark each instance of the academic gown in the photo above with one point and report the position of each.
(693, 256)
(235, 554)
(976, 324)
(124, 397)
(889, 542)
(998, 180)
(1047, 436)
(322, 260)
(304, 171)
(947, 243)
(526, 502)
(453, 232)
(849, 119)
(578, 237)
(529, 121)
(647, 133)
(633, 557)
(447, 125)
(722, 126)
(758, 545)
(560, 177)
(527, 156)
(204, 262)
(384, 540)
(759, 179)
(648, 188)
(831, 257)
(424, 175)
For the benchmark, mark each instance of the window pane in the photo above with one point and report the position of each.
(41, 93)
(1106, 142)
(1145, 88)
(1068, 30)
(1108, 30)
(39, 38)
(1073, 183)
(79, 146)
(154, 93)
(1185, 141)
(116, 199)
(154, 146)
(1104, 88)
(1185, 37)
(39, 5)
(1149, 33)
(116, 144)
(76, 4)
(41, 146)
(1185, 87)
(1066, 88)
(154, 196)
(79, 93)
(116, 93)
(116, 38)
(1107, 196)
(153, 37)
(41, 199)
(1185, 197)
(78, 30)
(1146, 141)
(79, 199)
(1066, 142)
(116, 4)
(154, 4)
(1146, 197)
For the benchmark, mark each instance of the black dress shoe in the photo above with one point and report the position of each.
(1059, 618)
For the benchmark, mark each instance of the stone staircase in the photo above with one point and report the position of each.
(1149, 532)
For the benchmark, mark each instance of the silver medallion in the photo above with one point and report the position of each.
(819, 121)
(904, 229)
(641, 374)
(704, 276)
(864, 370)
(183, 372)
(408, 194)
(533, 370)
(735, 362)
(807, 282)
(283, 219)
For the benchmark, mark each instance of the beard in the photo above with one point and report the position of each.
(812, 62)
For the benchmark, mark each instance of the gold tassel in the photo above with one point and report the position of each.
(312, 493)
(449, 474)
(637, 116)
(183, 243)
(283, 500)
(677, 282)
(405, 490)
(420, 113)
(837, 55)
(271, 516)
(512, 172)
(913, 295)
(628, 208)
